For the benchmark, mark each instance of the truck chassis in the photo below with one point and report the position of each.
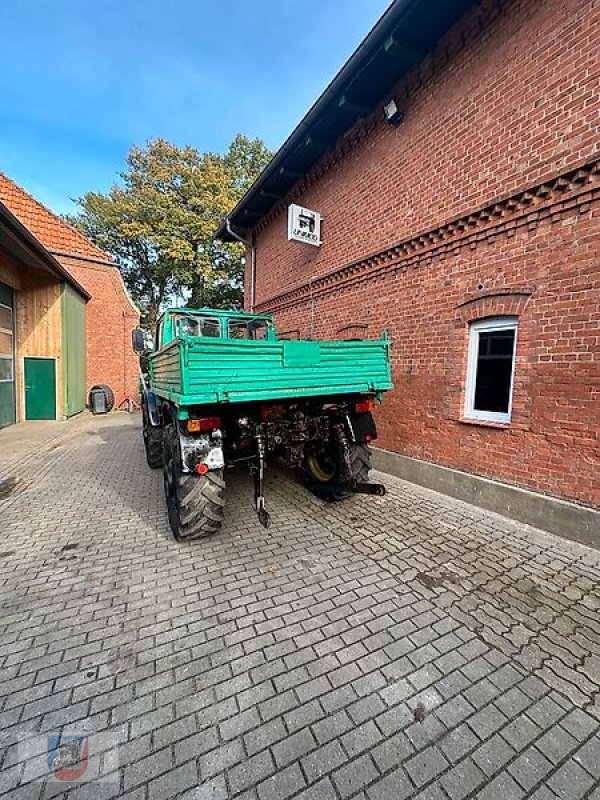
(326, 440)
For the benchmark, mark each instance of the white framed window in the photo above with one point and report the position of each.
(491, 369)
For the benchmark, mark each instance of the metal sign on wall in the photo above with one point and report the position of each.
(304, 225)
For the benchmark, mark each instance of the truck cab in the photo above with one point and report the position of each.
(178, 323)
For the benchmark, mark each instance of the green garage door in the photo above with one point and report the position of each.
(40, 388)
(7, 356)
(73, 351)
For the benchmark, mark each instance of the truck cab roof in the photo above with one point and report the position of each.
(216, 312)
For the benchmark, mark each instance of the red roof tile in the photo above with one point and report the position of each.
(53, 232)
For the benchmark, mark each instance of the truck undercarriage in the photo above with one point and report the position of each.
(325, 441)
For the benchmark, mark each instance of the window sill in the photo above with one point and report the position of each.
(484, 423)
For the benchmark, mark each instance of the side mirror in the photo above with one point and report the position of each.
(138, 341)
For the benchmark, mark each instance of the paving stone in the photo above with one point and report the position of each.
(323, 761)
(250, 771)
(493, 754)
(323, 790)
(173, 782)
(454, 711)
(487, 721)
(545, 712)
(502, 787)
(363, 737)
(425, 766)
(282, 785)
(395, 786)
(146, 768)
(589, 756)
(220, 759)
(570, 781)
(462, 780)
(196, 745)
(530, 768)
(214, 789)
(520, 732)
(293, 747)
(579, 724)
(264, 736)
(556, 744)
(458, 743)
(304, 715)
(354, 776)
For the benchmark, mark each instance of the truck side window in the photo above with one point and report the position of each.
(189, 325)
(247, 329)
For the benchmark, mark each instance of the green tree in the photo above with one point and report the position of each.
(158, 222)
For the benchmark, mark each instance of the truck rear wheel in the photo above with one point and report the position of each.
(323, 470)
(195, 503)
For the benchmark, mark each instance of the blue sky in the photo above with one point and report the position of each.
(83, 80)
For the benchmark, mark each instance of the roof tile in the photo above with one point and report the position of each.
(53, 232)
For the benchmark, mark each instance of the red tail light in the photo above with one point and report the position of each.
(364, 405)
(203, 424)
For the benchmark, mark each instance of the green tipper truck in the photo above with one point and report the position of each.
(222, 389)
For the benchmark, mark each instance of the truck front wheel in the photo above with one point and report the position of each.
(153, 442)
(195, 503)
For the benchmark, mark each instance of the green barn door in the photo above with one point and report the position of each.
(73, 351)
(40, 388)
(7, 360)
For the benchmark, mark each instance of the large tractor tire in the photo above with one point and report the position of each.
(323, 470)
(195, 503)
(153, 442)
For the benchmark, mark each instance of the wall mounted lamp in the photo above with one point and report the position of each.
(392, 113)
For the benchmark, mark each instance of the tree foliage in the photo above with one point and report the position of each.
(158, 222)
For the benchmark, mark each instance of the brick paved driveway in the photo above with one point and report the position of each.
(407, 646)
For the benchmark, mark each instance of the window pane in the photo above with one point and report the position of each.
(494, 371)
(6, 344)
(247, 329)
(6, 369)
(6, 318)
(238, 329)
(209, 327)
(198, 326)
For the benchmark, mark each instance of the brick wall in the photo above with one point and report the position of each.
(110, 318)
(484, 202)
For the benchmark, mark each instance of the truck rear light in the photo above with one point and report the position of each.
(364, 405)
(201, 469)
(203, 424)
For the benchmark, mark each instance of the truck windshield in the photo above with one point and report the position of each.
(248, 328)
(189, 325)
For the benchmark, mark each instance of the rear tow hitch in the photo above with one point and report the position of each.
(257, 470)
(368, 488)
(356, 488)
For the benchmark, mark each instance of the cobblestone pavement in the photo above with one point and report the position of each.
(406, 646)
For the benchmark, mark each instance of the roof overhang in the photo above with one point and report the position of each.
(22, 245)
(407, 31)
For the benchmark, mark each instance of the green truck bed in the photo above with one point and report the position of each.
(194, 370)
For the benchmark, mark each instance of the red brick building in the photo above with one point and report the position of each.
(467, 223)
(110, 313)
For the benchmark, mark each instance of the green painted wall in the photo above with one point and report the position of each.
(7, 371)
(73, 351)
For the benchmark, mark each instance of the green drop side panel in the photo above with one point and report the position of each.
(197, 370)
(7, 356)
(40, 388)
(73, 351)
